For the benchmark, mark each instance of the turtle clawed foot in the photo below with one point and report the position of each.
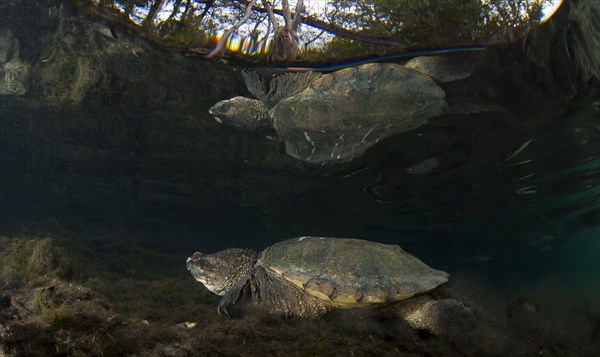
(228, 301)
(229, 310)
(222, 309)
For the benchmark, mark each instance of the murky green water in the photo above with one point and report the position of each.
(515, 222)
(526, 209)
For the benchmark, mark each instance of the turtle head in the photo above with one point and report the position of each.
(242, 112)
(220, 271)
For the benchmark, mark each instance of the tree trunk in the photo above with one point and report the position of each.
(228, 33)
(285, 46)
(285, 42)
(175, 9)
(334, 29)
(207, 7)
(148, 22)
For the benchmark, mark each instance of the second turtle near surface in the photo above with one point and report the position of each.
(308, 276)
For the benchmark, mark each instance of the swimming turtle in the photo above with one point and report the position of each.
(334, 117)
(308, 276)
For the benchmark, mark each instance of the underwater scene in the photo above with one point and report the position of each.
(299, 178)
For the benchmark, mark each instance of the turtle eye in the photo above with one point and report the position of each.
(219, 109)
(206, 264)
(192, 262)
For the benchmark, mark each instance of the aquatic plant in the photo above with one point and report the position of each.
(59, 318)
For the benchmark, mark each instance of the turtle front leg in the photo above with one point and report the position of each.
(231, 297)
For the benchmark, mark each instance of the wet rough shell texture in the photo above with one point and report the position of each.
(350, 272)
(341, 114)
(442, 68)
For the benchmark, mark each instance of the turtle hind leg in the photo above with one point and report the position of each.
(282, 297)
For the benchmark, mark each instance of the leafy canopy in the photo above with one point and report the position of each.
(320, 30)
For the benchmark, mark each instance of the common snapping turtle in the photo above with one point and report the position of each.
(308, 276)
(335, 117)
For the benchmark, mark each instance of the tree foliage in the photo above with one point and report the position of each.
(283, 30)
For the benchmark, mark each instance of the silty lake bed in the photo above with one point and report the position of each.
(105, 191)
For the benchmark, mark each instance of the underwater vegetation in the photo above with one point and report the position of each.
(60, 299)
